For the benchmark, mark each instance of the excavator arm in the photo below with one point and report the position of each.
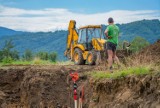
(72, 39)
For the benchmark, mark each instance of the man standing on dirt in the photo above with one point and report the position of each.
(112, 33)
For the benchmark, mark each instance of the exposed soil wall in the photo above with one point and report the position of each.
(129, 92)
(39, 86)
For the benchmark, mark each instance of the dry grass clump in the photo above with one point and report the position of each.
(147, 56)
(144, 59)
(64, 63)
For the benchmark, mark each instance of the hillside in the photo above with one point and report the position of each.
(8, 32)
(56, 41)
(148, 29)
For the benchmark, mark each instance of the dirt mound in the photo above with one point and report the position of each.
(148, 55)
(152, 51)
(129, 92)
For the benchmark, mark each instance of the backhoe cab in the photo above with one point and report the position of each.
(84, 45)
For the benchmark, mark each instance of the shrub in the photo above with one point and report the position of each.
(138, 43)
(28, 55)
(53, 57)
(42, 55)
(7, 60)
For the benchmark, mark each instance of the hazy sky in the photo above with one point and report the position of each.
(50, 15)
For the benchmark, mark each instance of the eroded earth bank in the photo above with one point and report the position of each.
(49, 87)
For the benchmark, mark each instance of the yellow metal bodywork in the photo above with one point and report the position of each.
(98, 44)
(90, 26)
(76, 57)
(90, 57)
(72, 39)
(72, 42)
(85, 53)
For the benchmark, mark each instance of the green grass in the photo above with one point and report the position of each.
(34, 62)
(123, 72)
(37, 61)
(18, 63)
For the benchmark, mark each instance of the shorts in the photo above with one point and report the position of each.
(111, 46)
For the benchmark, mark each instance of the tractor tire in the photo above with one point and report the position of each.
(91, 58)
(78, 57)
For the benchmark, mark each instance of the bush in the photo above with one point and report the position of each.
(138, 43)
(28, 55)
(7, 60)
(15, 55)
(53, 57)
(42, 55)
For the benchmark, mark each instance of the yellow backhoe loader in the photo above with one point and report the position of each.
(83, 47)
(88, 45)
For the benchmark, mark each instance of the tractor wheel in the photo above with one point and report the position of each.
(78, 57)
(91, 58)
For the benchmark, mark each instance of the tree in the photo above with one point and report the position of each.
(53, 56)
(28, 55)
(7, 48)
(138, 43)
(7, 51)
(15, 55)
(1, 55)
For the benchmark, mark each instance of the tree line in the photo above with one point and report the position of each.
(8, 54)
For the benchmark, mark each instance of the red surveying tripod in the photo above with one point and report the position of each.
(75, 77)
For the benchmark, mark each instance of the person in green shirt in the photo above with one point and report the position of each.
(112, 33)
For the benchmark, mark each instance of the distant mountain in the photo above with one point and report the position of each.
(56, 41)
(8, 32)
(148, 29)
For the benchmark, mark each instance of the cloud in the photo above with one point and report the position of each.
(51, 19)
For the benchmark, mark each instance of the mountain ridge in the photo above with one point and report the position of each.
(8, 32)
